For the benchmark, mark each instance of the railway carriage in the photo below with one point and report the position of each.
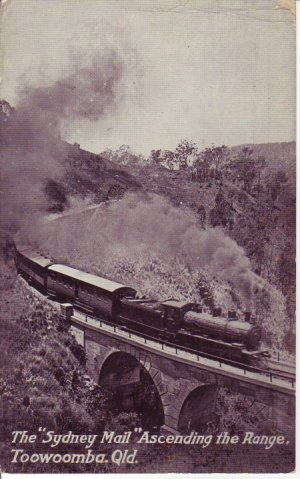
(60, 285)
(89, 292)
(33, 267)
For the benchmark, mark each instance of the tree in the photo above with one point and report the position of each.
(219, 198)
(184, 149)
(156, 156)
(202, 170)
(246, 168)
(281, 177)
(278, 179)
(211, 161)
(124, 156)
(5, 110)
(169, 159)
(215, 156)
(202, 215)
(221, 214)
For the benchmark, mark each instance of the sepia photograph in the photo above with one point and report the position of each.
(147, 236)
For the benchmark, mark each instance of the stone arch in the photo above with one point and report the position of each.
(198, 408)
(126, 375)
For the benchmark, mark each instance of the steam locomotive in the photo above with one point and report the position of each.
(178, 322)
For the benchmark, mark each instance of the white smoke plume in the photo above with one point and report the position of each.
(141, 225)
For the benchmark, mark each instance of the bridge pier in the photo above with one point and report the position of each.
(182, 407)
(183, 401)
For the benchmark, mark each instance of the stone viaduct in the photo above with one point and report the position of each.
(187, 385)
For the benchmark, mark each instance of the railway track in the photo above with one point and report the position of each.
(286, 368)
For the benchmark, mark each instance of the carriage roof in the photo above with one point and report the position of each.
(36, 258)
(88, 278)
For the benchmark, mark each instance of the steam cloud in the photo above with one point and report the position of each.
(149, 226)
(32, 149)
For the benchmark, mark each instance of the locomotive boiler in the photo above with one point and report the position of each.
(225, 329)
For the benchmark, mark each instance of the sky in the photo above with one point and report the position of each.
(214, 71)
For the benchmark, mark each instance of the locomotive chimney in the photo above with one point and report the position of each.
(247, 316)
(217, 312)
(232, 315)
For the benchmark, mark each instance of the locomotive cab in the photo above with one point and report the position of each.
(174, 312)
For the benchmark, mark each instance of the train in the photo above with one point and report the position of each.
(180, 323)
